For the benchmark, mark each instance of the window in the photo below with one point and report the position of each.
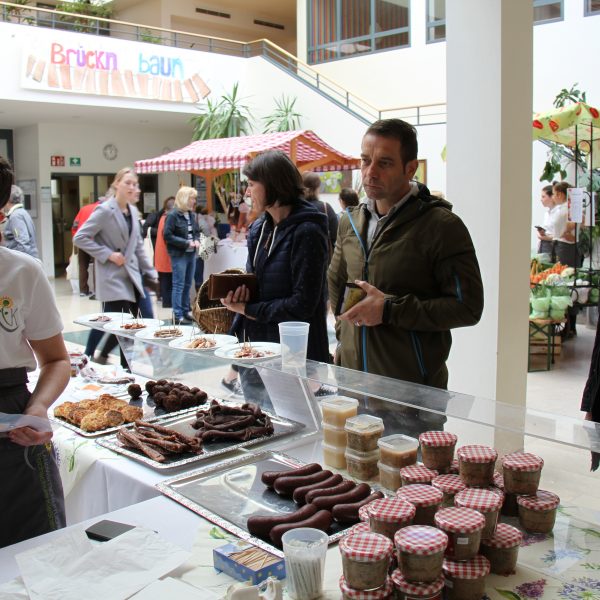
(547, 11)
(592, 7)
(342, 28)
(436, 20)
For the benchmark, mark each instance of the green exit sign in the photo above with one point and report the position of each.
(74, 161)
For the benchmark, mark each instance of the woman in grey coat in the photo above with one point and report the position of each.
(112, 236)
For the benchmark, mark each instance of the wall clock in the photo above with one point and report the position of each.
(110, 152)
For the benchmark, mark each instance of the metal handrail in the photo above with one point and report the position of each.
(294, 66)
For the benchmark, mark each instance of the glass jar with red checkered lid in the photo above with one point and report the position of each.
(437, 449)
(466, 580)
(425, 498)
(476, 465)
(486, 502)
(502, 550)
(387, 515)
(417, 474)
(408, 590)
(365, 560)
(537, 513)
(449, 485)
(420, 552)
(463, 526)
(382, 593)
(522, 472)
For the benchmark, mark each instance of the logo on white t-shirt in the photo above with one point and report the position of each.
(8, 314)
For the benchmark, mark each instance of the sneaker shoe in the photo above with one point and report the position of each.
(233, 386)
(189, 315)
(91, 297)
(325, 390)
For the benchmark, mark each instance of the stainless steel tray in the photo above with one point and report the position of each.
(229, 492)
(183, 424)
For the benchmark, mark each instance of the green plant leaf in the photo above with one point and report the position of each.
(508, 594)
(217, 533)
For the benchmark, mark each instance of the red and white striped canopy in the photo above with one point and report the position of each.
(232, 153)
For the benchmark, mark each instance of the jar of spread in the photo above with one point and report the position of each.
(420, 552)
(476, 465)
(417, 474)
(389, 477)
(425, 498)
(365, 560)
(362, 465)
(463, 527)
(406, 590)
(522, 472)
(502, 550)
(382, 593)
(537, 513)
(387, 515)
(449, 485)
(364, 432)
(398, 450)
(334, 436)
(336, 409)
(437, 449)
(454, 470)
(466, 580)
(333, 456)
(484, 501)
(362, 527)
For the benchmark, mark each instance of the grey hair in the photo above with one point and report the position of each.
(16, 194)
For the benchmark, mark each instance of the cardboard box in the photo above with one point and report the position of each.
(246, 562)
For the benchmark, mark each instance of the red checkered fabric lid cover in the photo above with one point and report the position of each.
(498, 480)
(437, 438)
(366, 547)
(363, 515)
(417, 589)
(522, 461)
(417, 474)
(419, 494)
(506, 536)
(459, 520)
(391, 510)
(495, 490)
(421, 540)
(477, 499)
(478, 566)
(542, 500)
(477, 454)
(381, 593)
(453, 468)
(449, 484)
(359, 528)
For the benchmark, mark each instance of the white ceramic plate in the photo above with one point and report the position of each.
(221, 340)
(114, 317)
(230, 351)
(116, 325)
(148, 333)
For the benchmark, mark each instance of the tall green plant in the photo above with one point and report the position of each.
(85, 8)
(284, 117)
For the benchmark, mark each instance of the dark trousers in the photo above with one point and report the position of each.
(165, 281)
(84, 260)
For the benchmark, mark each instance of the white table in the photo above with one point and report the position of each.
(229, 255)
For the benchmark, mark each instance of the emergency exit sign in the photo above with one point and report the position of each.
(74, 161)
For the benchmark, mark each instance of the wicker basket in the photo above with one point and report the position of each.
(211, 315)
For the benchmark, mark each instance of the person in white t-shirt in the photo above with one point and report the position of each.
(545, 234)
(31, 502)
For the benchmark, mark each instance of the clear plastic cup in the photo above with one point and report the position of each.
(304, 550)
(293, 336)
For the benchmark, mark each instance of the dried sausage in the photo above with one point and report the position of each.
(360, 492)
(348, 513)
(320, 520)
(299, 494)
(261, 526)
(341, 488)
(285, 485)
(269, 477)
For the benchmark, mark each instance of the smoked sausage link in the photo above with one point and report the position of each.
(342, 488)
(269, 477)
(285, 485)
(348, 513)
(261, 526)
(320, 520)
(360, 492)
(299, 494)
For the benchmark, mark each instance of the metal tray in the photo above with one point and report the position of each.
(183, 424)
(228, 493)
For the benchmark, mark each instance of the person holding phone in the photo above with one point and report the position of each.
(32, 501)
(545, 232)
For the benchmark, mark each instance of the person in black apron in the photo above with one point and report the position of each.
(31, 502)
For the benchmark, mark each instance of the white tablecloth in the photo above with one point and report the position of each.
(229, 255)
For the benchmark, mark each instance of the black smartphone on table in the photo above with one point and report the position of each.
(105, 530)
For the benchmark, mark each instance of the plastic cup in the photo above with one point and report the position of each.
(293, 336)
(304, 550)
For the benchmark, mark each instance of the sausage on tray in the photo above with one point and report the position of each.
(341, 488)
(348, 513)
(261, 526)
(299, 494)
(320, 520)
(286, 485)
(269, 477)
(360, 492)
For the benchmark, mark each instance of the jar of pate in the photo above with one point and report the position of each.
(334, 436)
(454, 470)
(417, 474)
(449, 485)
(363, 432)
(537, 513)
(437, 449)
(362, 465)
(359, 528)
(406, 590)
(387, 515)
(389, 477)
(463, 526)
(476, 465)
(382, 593)
(522, 472)
(420, 552)
(466, 580)
(502, 550)
(425, 498)
(365, 560)
(398, 450)
(363, 515)
(484, 501)
(336, 409)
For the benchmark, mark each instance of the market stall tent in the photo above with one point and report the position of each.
(212, 158)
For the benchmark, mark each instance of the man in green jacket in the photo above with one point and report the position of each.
(412, 257)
